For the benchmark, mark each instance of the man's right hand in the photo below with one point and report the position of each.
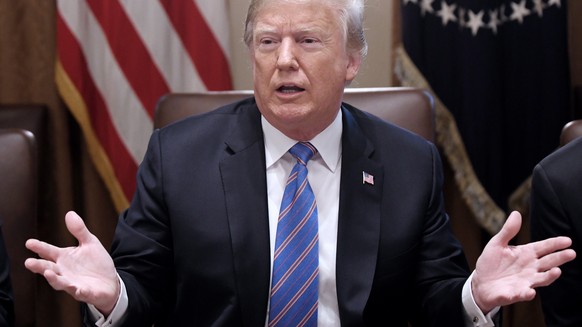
(86, 271)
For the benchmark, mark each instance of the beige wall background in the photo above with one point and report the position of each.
(375, 71)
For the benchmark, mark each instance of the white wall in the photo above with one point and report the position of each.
(376, 69)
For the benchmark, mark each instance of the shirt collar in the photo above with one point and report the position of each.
(328, 143)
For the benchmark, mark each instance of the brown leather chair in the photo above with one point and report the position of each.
(18, 212)
(570, 131)
(31, 117)
(407, 107)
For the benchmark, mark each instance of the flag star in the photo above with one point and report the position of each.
(493, 20)
(475, 21)
(554, 2)
(426, 6)
(519, 11)
(447, 13)
(539, 7)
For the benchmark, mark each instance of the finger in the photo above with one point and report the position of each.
(43, 249)
(59, 282)
(547, 277)
(62, 283)
(39, 266)
(527, 295)
(509, 230)
(550, 245)
(555, 259)
(77, 228)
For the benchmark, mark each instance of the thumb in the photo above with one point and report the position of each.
(77, 228)
(509, 230)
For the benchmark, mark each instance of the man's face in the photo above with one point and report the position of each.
(300, 65)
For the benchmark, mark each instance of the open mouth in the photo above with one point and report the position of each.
(288, 89)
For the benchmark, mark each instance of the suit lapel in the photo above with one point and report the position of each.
(359, 222)
(244, 181)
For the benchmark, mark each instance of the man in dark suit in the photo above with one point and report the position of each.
(200, 241)
(6, 296)
(556, 209)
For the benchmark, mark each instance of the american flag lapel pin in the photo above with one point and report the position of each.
(367, 178)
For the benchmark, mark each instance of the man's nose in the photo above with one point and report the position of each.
(287, 56)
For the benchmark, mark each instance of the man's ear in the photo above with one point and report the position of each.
(354, 63)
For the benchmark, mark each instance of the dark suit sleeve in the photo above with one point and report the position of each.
(141, 247)
(556, 211)
(442, 267)
(6, 296)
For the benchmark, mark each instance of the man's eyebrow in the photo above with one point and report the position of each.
(309, 30)
(267, 29)
(264, 28)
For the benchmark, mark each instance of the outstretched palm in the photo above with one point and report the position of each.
(86, 271)
(507, 274)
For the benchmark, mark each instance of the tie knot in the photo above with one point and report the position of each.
(303, 151)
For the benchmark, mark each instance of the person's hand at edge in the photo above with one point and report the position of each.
(506, 274)
(86, 271)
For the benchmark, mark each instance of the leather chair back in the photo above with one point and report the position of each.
(570, 131)
(18, 212)
(407, 107)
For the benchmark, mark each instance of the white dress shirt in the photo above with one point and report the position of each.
(324, 170)
(324, 176)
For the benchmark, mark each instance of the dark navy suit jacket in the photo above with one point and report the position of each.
(556, 210)
(193, 247)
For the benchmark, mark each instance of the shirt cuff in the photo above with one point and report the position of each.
(116, 315)
(474, 315)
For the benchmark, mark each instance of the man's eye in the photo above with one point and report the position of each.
(266, 44)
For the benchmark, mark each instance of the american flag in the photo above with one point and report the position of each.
(117, 57)
(367, 178)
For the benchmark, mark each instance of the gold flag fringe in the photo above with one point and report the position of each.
(519, 199)
(78, 109)
(448, 139)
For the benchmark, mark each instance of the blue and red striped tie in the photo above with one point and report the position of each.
(296, 261)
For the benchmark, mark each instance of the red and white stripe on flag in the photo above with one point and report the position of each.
(116, 58)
